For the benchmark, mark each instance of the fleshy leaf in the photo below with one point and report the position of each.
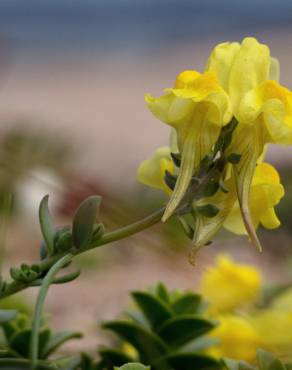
(84, 220)
(46, 224)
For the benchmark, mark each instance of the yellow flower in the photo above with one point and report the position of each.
(151, 172)
(265, 192)
(230, 285)
(197, 108)
(274, 327)
(262, 107)
(238, 338)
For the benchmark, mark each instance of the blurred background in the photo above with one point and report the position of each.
(74, 123)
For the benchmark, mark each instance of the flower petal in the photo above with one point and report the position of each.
(151, 171)
(221, 60)
(251, 66)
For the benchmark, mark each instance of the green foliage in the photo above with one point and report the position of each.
(15, 337)
(265, 361)
(132, 366)
(167, 331)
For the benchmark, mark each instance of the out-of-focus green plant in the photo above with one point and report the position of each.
(265, 361)
(166, 330)
(16, 331)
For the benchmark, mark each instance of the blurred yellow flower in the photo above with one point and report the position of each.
(238, 339)
(197, 108)
(265, 192)
(274, 327)
(229, 285)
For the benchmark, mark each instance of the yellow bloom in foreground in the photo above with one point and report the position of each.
(262, 107)
(238, 338)
(230, 285)
(274, 327)
(197, 108)
(151, 172)
(265, 192)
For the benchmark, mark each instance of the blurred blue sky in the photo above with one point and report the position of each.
(138, 25)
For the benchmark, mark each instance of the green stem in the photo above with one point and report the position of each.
(45, 265)
(36, 321)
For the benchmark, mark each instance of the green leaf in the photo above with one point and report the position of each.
(200, 344)
(46, 224)
(186, 304)
(19, 342)
(154, 309)
(7, 315)
(113, 357)
(234, 158)
(211, 188)
(180, 330)
(149, 345)
(162, 292)
(133, 366)
(176, 158)
(265, 359)
(56, 340)
(84, 220)
(276, 365)
(190, 361)
(208, 210)
(21, 364)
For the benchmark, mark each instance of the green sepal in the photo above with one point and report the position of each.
(233, 158)
(208, 210)
(176, 158)
(210, 189)
(170, 179)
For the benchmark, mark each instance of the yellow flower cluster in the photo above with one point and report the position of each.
(232, 289)
(240, 83)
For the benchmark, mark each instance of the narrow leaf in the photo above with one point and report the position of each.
(190, 361)
(7, 315)
(84, 220)
(180, 330)
(189, 303)
(46, 224)
(148, 344)
(57, 340)
(154, 309)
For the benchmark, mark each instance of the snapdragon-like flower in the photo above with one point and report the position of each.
(197, 108)
(223, 120)
(260, 104)
(265, 193)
